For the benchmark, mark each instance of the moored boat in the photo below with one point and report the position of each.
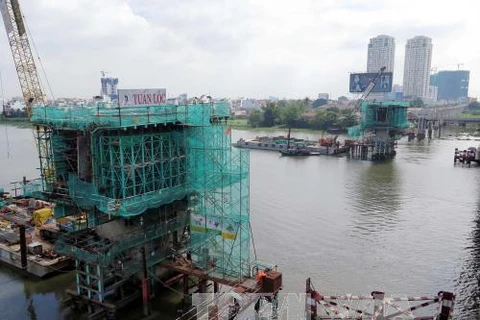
(293, 146)
(27, 235)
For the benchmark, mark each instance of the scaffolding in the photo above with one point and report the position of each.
(381, 125)
(391, 115)
(167, 171)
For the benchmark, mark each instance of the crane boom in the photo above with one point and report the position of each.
(22, 54)
(372, 83)
(29, 83)
(370, 87)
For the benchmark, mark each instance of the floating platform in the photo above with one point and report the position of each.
(296, 146)
(466, 156)
(25, 246)
(36, 265)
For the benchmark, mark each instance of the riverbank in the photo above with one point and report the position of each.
(17, 122)
(242, 124)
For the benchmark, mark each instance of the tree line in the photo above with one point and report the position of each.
(474, 108)
(293, 114)
(15, 113)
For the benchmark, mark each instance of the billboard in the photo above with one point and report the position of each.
(222, 227)
(141, 97)
(360, 81)
(109, 87)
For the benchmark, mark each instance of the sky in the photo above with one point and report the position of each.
(234, 48)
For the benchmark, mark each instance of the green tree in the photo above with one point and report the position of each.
(475, 105)
(334, 110)
(306, 102)
(256, 118)
(269, 112)
(291, 113)
(347, 119)
(324, 119)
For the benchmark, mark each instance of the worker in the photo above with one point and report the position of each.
(260, 275)
(234, 309)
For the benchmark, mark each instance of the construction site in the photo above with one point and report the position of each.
(382, 124)
(162, 189)
(162, 192)
(164, 200)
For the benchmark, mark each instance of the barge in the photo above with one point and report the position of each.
(288, 146)
(27, 236)
(466, 156)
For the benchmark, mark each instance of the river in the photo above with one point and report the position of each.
(411, 225)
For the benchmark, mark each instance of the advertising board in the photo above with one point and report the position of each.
(141, 97)
(360, 81)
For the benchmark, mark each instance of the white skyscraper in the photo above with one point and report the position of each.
(418, 60)
(381, 53)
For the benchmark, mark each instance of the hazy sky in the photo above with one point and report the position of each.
(251, 48)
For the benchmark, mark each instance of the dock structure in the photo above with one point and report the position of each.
(157, 184)
(381, 125)
(377, 306)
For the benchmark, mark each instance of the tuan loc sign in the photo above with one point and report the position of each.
(141, 97)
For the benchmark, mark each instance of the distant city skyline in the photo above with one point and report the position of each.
(381, 53)
(417, 67)
(191, 46)
(452, 85)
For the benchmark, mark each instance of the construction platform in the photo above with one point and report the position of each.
(381, 125)
(152, 181)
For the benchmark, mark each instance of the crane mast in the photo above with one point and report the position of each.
(22, 54)
(29, 83)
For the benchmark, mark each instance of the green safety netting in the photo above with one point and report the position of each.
(104, 252)
(388, 115)
(86, 196)
(110, 115)
(33, 188)
(135, 170)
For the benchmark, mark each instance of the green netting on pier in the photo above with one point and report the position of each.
(109, 165)
(145, 171)
(220, 219)
(87, 196)
(105, 251)
(382, 115)
(82, 117)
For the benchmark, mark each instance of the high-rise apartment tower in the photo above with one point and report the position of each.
(418, 60)
(381, 53)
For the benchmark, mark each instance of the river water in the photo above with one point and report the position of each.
(411, 225)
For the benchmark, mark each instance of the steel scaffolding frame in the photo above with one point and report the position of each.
(220, 224)
(128, 166)
(144, 162)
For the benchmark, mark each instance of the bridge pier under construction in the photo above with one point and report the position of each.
(158, 185)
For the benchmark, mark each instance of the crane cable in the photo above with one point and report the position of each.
(38, 57)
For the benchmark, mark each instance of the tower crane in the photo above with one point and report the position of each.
(29, 82)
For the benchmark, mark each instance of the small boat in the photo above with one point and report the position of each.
(293, 152)
(296, 151)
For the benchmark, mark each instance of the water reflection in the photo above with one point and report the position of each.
(375, 191)
(468, 283)
(416, 152)
(31, 298)
(32, 314)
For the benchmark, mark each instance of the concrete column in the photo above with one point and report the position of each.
(379, 307)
